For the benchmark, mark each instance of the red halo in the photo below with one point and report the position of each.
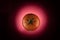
(37, 10)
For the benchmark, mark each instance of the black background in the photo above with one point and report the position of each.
(8, 6)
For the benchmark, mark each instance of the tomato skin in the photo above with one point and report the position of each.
(30, 22)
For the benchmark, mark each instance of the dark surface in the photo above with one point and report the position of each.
(7, 31)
